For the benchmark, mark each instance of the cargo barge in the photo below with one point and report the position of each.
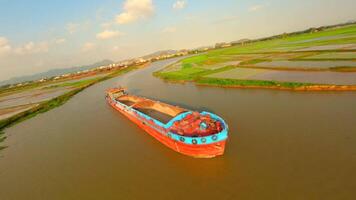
(196, 134)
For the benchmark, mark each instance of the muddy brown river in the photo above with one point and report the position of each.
(282, 145)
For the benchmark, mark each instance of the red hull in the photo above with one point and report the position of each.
(199, 151)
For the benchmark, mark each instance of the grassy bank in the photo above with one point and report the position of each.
(201, 79)
(56, 102)
(262, 84)
(256, 83)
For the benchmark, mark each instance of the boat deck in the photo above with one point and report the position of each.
(162, 117)
(156, 110)
(127, 102)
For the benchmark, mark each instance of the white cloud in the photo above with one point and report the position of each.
(32, 47)
(256, 8)
(4, 45)
(107, 34)
(179, 4)
(169, 30)
(28, 48)
(88, 46)
(135, 10)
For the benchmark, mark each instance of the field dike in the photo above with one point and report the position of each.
(260, 84)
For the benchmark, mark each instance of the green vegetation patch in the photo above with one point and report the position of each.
(77, 84)
(8, 91)
(187, 73)
(237, 73)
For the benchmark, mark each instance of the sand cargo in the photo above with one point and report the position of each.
(196, 134)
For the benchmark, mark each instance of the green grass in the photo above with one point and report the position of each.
(76, 84)
(189, 74)
(237, 73)
(186, 74)
(8, 91)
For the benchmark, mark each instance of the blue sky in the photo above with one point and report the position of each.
(39, 35)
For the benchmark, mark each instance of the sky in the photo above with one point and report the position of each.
(36, 36)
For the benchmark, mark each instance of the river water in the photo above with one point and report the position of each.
(282, 145)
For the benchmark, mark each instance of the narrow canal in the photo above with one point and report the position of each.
(282, 145)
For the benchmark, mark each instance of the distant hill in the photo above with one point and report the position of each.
(53, 72)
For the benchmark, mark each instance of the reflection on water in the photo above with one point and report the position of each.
(282, 145)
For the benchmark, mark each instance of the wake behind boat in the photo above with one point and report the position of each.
(191, 133)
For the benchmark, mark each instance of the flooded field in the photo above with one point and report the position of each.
(322, 39)
(18, 101)
(221, 65)
(334, 55)
(307, 64)
(329, 47)
(337, 78)
(13, 110)
(29, 97)
(282, 145)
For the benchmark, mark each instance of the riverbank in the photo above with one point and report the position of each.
(57, 101)
(254, 84)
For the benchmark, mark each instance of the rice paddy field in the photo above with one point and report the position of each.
(326, 57)
(17, 101)
(334, 55)
(329, 47)
(316, 77)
